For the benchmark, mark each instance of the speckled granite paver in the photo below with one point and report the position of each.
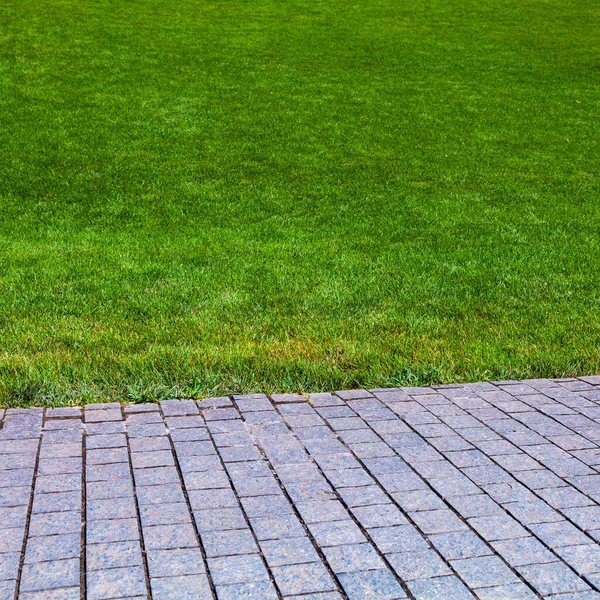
(487, 490)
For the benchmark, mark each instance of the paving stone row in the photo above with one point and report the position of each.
(115, 565)
(19, 448)
(357, 566)
(52, 562)
(487, 490)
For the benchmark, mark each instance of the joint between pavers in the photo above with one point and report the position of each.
(83, 557)
(137, 510)
(29, 512)
(242, 509)
(209, 577)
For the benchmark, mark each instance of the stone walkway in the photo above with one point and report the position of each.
(486, 491)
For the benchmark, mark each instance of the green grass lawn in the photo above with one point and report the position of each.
(200, 197)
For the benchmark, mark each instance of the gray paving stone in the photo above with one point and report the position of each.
(164, 537)
(63, 424)
(160, 458)
(50, 574)
(322, 511)
(447, 587)
(14, 516)
(102, 406)
(195, 448)
(379, 584)
(109, 414)
(336, 533)
(353, 557)
(114, 554)
(54, 547)
(484, 571)
(112, 530)
(15, 496)
(534, 511)
(183, 587)
(303, 579)
(65, 482)
(213, 402)
(146, 430)
(564, 497)
(422, 564)
(221, 414)
(254, 404)
(106, 428)
(497, 527)
(119, 488)
(380, 515)
(16, 478)
(438, 521)
(559, 534)
(401, 538)
(459, 544)
(523, 551)
(107, 472)
(206, 480)
(289, 551)
(419, 500)
(174, 423)
(274, 528)
(160, 494)
(177, 408)
(202, 480)
(585, 559)
(9, 565)
(305, 491)
(175, 562)
(257, 468)
(110, 508)
(11, 540)
(45, 524)
(587, 517)
(229, 543)
(395, 482)
(219, 519)
(552, 578)
(115, 440)
(116, 583)
(164, 514)
(140, 408)
(363, 496)
(144, 417)
(189, 435)
(156, 476)
(106, 456)
(56, 502)
(237, 569)
(20, 447)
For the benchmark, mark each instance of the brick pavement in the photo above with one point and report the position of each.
(486, 490)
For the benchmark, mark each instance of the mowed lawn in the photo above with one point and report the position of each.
(201, 197)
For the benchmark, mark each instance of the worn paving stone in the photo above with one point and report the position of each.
(487, 490)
